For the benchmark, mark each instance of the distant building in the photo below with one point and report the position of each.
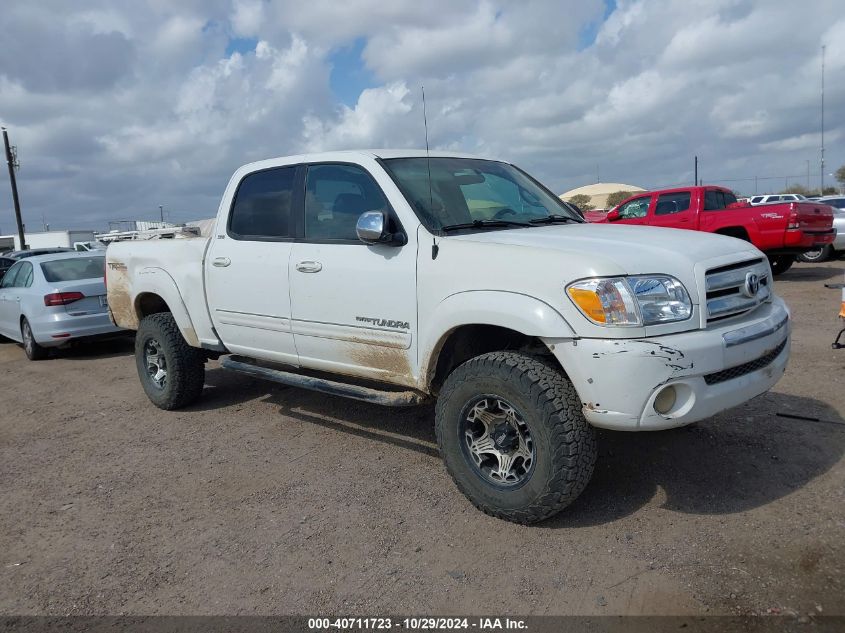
(599, 192)
(45, 239)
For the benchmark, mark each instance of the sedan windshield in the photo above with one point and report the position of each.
(472, 194)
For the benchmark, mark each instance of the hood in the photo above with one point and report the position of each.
(636, 249)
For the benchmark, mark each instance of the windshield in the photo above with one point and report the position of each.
(466, 190)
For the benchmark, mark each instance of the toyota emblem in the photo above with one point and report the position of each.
(752, 285)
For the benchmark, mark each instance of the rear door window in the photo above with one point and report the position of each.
(24, 278)
(263, 204)
(715, 199)
(668, 203)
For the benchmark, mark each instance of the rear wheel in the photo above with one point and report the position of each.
(171, 371)
(781, 263)
(818, 255)
(33, 350)
(513, 437)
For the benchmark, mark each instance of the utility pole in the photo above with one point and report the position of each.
(695, 180)
(808, 174)
(11, 161)
(161, 211)
(755, 185)
(821, 170)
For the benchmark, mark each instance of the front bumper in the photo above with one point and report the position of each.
(618, 380)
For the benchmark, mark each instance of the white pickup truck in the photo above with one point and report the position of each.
(396, 277)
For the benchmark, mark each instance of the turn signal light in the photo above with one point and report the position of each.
(589, 302)
(62, 298)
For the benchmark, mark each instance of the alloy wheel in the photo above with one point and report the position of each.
(497, 442)
(156, 363)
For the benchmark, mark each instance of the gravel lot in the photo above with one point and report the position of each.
(270, 500)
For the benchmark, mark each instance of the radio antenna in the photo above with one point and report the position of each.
(427, 155)
(434, 247)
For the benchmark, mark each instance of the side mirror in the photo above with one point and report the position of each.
(371, 228)
(613, 215)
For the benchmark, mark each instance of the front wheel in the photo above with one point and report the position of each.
(172, 372)
(513, 437)
(781, 263)
(816, 256)
(32, 349)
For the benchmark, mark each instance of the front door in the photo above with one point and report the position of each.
(354, 305)
(247, 267)
(634, 211)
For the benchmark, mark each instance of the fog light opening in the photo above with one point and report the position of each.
(665, 400)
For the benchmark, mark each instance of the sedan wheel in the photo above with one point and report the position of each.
(33, 350)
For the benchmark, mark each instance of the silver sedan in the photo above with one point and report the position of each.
(50, 300)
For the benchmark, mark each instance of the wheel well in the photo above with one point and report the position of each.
(735, 231)
(469, 341)
(148, 303)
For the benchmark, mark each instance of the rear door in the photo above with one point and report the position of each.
(673, 209)
(354, 304)
(246, 269)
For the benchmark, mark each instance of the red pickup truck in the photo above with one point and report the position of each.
(781, 230)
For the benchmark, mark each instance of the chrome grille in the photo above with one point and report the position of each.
(727, 294)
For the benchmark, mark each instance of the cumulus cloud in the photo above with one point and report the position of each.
(117, 108)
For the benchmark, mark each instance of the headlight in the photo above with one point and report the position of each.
(631, 301)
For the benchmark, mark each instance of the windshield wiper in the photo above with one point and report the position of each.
(553, 219)
(482, 224)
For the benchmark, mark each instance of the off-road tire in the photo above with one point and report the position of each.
(32, 349)
(185, 364)
(817, 256)
(781, 263)
(565, 443)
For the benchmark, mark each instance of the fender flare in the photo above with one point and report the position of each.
(157, 281)
(512, 310)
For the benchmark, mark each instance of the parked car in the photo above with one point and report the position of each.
(781, 229)
(51, 300)
(777, 197)
(396, 278)
(34, 252)
(838, 246)
(5, 264)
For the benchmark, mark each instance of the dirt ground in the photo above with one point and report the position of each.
(263, 499)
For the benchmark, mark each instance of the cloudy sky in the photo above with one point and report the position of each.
(118, 107)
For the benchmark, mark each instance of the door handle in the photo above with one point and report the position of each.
(309, 267)
(221, 262)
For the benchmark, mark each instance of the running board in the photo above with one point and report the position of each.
(376, 396)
